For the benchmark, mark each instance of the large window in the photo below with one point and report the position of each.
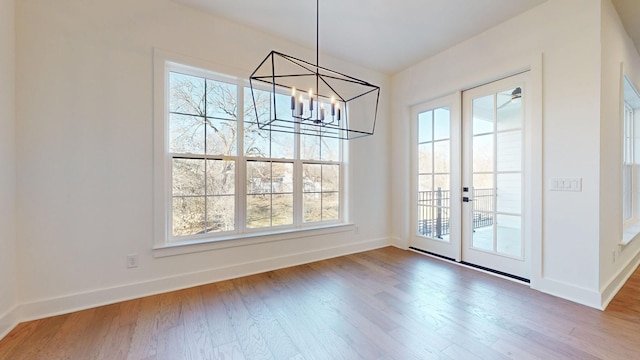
(226, 176)
(630, 155)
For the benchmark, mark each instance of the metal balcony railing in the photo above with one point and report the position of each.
(433, 211)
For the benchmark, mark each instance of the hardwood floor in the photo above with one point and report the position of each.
(381, 304)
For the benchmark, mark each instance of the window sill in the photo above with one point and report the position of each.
(630, 233)
(187, 247)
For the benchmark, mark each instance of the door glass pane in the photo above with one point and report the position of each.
(509, 114)
(483, 153)
(441, 156)
(509, 193)
(441, 182)
(483, 181)
(483, 111)
(425, 126)
(483, 230)
(425, 158)
(441, 124)
(509, 151)
(425, 183)
(434, 166)
(509, 235)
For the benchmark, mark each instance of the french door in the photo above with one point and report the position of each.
(469, 198)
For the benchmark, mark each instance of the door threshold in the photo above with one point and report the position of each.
(468, 265)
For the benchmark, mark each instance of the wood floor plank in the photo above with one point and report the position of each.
(381, 304)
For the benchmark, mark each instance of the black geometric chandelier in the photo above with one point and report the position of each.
(306, 98)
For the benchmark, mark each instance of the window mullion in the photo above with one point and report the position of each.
(241, 167)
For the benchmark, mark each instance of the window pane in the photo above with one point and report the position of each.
(330, 206)
(188, 215)
(263, 103)
(258, 211)
(188, 177)
(220, 213)
(221, 177)
(258, 177)
(186, 94)
(221, 137)
(312, 177)
(282, 209)
(309, 147)
(186, 134)
(330, 178)
(330, 149)
(282, 179)
(282, 145)
(222, 100)
(256, 141)
(312, 207)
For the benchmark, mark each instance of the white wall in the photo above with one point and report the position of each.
(617, 49)
(8, 274)
(84, 134)
(567, 35)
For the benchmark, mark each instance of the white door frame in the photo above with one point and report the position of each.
(533, 158)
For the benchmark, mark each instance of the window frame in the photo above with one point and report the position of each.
(164, 63)
(629, 134)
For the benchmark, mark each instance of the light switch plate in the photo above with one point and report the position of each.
(566, 184)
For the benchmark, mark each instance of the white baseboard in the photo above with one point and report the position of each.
(85, 300)
(8, 321)
(570, 292)
(399, 243)
(618, 281)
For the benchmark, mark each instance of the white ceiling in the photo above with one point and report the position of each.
(384, 35)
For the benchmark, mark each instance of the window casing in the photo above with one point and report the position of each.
(224, 177)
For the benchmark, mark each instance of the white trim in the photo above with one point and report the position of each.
(577, 294)
(90, 299)
(171, 249)
(8, 321)
(617, 281)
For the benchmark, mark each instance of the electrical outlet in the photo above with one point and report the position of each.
(356, 230)
(613, 256)
(132, 261)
